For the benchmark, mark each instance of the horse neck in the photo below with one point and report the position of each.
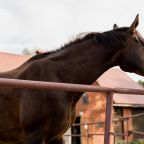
(85, 63)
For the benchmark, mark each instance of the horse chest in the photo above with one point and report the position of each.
(63, 125)
(59, 122)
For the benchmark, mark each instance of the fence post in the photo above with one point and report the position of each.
(108, 117)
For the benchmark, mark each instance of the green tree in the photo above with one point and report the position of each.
(141, 83)
(29, 51)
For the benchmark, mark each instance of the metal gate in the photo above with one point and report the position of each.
(79, 88)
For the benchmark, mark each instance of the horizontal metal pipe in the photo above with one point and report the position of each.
(82, 135)
(16, 83)
(136, 132)
(93, 134)
(115, 120)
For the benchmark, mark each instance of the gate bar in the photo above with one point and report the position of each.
(108, 117)
(17, 83)
(4, 82)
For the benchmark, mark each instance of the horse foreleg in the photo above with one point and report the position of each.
(58, 140)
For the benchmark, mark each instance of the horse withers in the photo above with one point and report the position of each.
(42, 116)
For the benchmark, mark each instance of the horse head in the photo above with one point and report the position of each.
(131, 58)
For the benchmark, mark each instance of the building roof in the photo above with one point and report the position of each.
(112, 78)
(117, 78)
(11, 61)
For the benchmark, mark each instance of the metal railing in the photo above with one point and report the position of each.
(87, 133)
(77, 88)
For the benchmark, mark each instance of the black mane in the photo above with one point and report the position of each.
(106, 38)
(79, 38)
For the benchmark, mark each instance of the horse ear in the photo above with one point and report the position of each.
(135, 23)
(115, 26)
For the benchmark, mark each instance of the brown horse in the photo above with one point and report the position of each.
(36, 116)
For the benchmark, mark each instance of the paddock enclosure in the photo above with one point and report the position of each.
(86, 133)
(109, 136)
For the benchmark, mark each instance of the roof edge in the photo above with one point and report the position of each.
(129, 105)
(13, 54)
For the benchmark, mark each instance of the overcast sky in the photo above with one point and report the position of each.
(47, 24)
